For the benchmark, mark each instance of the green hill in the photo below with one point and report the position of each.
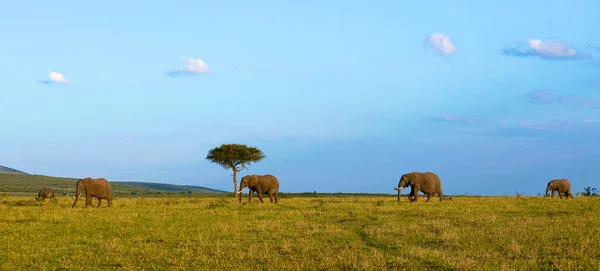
(26, 183)
(10, 170)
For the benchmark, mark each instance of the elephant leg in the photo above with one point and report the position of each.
(99, 201)
(415, 193)
(276, 197)
(569, 194)
(440, 195)
(250, 193)
(109, 199)
(271, 197)
(428, 197)
(560, 194)
(88, 199)
(411, 196)
(259, 193)
(552, 194)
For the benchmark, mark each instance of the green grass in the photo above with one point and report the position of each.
(22, 184)
(302, 233)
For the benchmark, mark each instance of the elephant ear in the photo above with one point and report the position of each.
(413, 178)
(252, 180)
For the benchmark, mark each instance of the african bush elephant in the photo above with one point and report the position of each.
(261, 184)
(427, 182)
(561, 186)
(99, 188)
(45, 193)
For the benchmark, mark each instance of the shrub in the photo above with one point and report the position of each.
(588, 192)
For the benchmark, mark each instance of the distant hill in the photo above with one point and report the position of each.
(10, 170)
(26, 183)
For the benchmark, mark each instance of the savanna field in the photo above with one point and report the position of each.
(190, 232)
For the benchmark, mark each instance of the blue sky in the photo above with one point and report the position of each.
(496, 98)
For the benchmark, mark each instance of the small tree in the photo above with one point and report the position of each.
(589, 192)
(235, 157)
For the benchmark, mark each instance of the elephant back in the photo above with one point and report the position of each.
(46, 192)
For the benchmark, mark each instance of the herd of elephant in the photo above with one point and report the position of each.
(427, 182)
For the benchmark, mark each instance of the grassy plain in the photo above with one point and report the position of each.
(302, 233)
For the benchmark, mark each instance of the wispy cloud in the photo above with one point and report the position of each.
(549, 50)
(458, 119)
(541, 97)
(556, 124)
(441, 44)
(195, 66)
(55, 78)
(557, 130)
(593, 46)
(545, 97)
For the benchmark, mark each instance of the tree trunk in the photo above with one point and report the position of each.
(235, 186)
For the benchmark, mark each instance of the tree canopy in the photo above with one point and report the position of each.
(235, 157)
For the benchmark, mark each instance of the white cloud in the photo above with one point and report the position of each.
(55, 78)
(195, 66)
(441, 44)
(58, 78)
(550, 50)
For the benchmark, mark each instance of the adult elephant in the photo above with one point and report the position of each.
(99, 188)
(45, 193)
(426, 182)
(561, 186)
(261, 184)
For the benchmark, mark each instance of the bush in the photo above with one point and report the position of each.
(589, 192)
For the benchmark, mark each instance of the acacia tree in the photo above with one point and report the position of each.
(235, 157)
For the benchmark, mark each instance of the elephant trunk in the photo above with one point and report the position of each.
(77, 195)
(399, 188)
(239, 192)
(547, 190)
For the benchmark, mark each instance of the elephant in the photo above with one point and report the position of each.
(45, 193)
(99, 188)
(426, 182)
(261, 184)
(561, 186)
